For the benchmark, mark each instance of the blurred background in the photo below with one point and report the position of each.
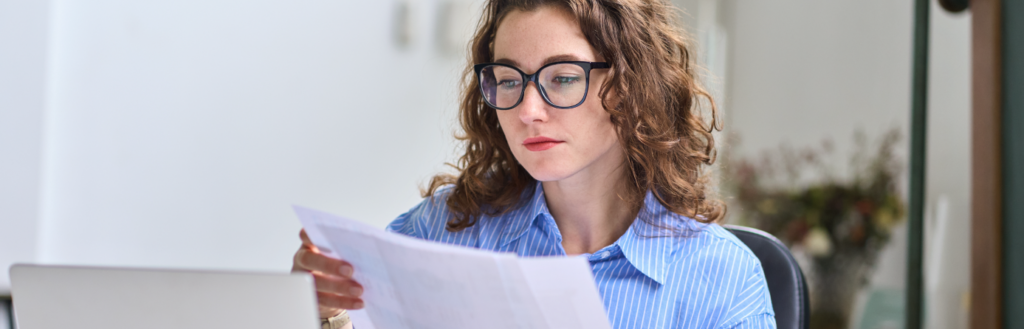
(178, 133)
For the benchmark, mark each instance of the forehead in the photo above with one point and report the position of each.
(528, 39)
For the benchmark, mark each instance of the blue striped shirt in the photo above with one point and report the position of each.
(702, 278)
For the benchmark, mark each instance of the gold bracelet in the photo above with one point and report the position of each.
(335, 322)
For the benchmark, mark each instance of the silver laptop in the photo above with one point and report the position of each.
(114, 298)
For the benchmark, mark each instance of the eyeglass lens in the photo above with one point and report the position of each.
(564, 84)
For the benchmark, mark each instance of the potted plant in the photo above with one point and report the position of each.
(840, 223)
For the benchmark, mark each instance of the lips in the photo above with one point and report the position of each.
(540, 143)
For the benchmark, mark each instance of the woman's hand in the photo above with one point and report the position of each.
(335, 288)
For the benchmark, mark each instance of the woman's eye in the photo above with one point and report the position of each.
(508, 84)
(566, 80)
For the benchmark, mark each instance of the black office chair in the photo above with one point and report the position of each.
(785, 279)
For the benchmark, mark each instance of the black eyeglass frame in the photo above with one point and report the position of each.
(527, 78)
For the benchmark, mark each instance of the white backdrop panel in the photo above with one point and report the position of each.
(179, 132)
(23, 39)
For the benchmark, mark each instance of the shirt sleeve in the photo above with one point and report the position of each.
(427, 220)
(752, 306)
(757, 321)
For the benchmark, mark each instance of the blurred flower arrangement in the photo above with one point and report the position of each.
(839, 225)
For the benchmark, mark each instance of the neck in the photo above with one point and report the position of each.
(589, 208)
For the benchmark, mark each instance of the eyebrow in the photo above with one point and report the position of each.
(549, 60)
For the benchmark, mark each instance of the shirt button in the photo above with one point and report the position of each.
(605, 254)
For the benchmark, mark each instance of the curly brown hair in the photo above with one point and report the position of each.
(657, 113)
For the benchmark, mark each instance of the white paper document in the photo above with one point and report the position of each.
(413, 283)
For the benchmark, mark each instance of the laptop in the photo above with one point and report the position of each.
(48, 297)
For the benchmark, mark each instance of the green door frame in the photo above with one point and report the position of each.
(1013, 163)
(918, 125)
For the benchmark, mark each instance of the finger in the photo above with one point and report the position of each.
(337, 285)
(338, 301)
(296, 259)
(314, 261)
(306, 242)
(305, 238)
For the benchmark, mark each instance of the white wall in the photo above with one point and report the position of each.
(802, 71)
(178, 133)
(23, 41)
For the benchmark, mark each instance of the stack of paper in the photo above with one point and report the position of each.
(413, 283)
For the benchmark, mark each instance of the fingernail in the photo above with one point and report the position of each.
(355, 291)
(345, 270)
(357, 305)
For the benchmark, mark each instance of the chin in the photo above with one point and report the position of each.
(548, 172)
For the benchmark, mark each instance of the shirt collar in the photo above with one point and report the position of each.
(522, 217)
(649, 244)
(655, 237)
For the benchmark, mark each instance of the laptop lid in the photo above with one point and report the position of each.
(120, 298)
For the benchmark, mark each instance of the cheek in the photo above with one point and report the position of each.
(606, 130)
(604, 133)
(508, 120)
(599, 120)
(591, 128)
(505, 119)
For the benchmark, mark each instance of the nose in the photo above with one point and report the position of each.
(533, 108)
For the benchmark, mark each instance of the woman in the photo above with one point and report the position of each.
(583, 136)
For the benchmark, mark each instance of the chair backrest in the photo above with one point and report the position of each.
(785, 279)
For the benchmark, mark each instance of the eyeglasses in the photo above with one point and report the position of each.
(564, 85)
